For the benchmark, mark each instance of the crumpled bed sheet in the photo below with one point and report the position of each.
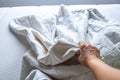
(54, 40)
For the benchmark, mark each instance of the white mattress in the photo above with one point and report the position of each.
(12, 49)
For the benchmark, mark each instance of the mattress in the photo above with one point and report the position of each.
(12, 48)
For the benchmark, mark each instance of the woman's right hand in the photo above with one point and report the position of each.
(87, 53)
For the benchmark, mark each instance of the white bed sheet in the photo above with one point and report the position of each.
(12, 49)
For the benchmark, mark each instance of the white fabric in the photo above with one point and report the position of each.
(54, 39)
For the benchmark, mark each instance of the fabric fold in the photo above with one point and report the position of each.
(54, 41)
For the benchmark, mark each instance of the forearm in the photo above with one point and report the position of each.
(89, 56)
(103, 71)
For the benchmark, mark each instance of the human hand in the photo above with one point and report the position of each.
(87, 53)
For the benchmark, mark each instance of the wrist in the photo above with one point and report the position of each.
(92, 61)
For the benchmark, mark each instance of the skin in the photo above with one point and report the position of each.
(90, 57)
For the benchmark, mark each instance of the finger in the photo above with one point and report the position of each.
(87, 44)
(82, 48)
(84, 43)
(81, 43)
(96, 51)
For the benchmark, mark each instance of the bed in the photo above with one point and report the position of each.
(13, 47)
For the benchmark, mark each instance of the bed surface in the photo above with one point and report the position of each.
(12, 49)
